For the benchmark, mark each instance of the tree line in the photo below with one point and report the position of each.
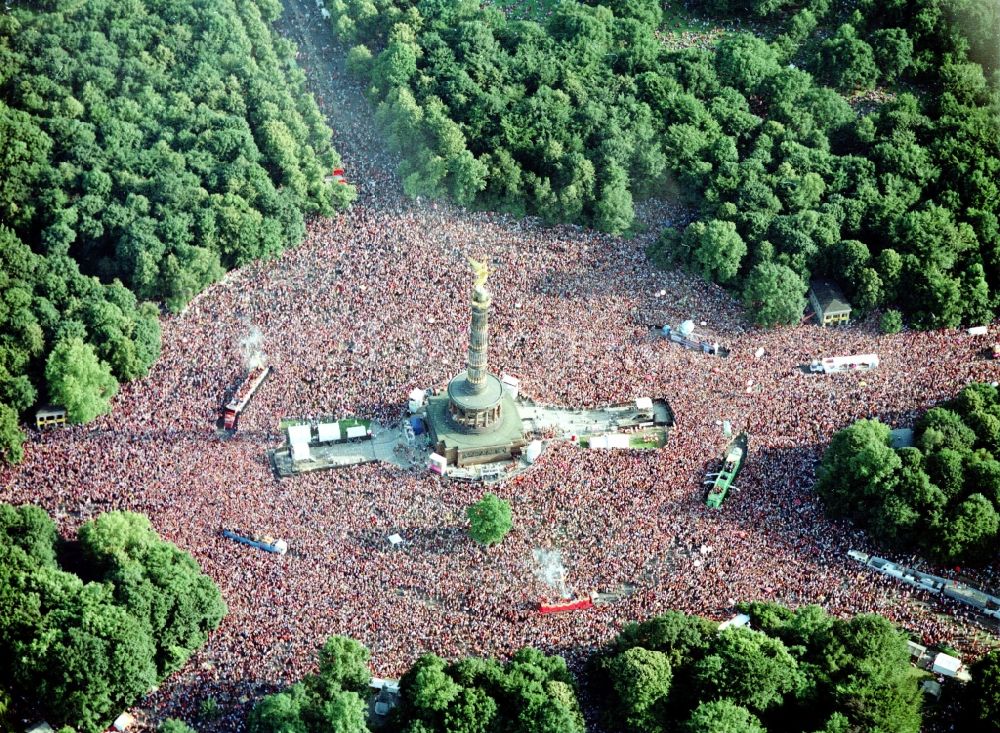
(575, 118)
(96, 622)
(940, 496)
(147, 149)
(799, 671)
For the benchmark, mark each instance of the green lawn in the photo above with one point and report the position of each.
(635, 441)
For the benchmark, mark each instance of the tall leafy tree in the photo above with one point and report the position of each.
(79, 381)
(774, 293)
(490, 519)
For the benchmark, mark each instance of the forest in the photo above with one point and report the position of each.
(940, 496)
(146, 148)
(94, 623)
(856, 141)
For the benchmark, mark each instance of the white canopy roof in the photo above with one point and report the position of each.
(299, 434)
(328, 431)
(737, 622)
(946, 664)
(611, 440)
(300, 452)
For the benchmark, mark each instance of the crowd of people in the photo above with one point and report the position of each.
(375, 303)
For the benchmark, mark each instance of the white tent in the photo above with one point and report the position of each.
(644, 404)
(299, 434)
(395, 539)
(946, 665)
(123, 722)
(611, 440)
(686, 328)
(299, 437)
(357, 431)
(329, 432)
(416, 400)
(300, 452)
(533, 451)
(736, 622)
(511, 384)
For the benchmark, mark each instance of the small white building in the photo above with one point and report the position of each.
(437, 463)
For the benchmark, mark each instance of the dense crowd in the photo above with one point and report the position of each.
(375, 303)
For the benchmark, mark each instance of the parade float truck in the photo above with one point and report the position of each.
(248, 387)
(684, 335)
(722, 481)
(837, 364)
(985, 603)
(576, 603)
(261, 542)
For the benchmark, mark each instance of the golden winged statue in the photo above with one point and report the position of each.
(481, 271)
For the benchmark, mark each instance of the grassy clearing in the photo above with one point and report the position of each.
(677, 19)
(536, 10)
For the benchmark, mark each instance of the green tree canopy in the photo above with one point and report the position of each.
(490, 519)
(796, 670)
(79, 381)
(641, 679)
(722, 716)
(981, 696)
(941, 496)
(89, 649)
(717, 250)
(774, 293)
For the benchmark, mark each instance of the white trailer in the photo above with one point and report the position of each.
(837, 364)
